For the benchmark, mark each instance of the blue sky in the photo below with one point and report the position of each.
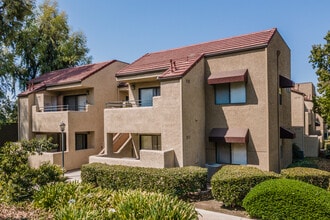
(127, 29)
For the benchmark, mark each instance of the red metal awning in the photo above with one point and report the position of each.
(229, 135)
(285, 82)
(286, 133)
(228, 77)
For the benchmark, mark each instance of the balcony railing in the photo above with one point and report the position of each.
(57, 108)
(129, 103)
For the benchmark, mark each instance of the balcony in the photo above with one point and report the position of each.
(148, 158)
(133, 117)
(47, 119)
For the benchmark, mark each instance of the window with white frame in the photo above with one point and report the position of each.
(230, 93)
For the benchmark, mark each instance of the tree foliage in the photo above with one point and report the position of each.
(18, 181)
(8, 111)
(12, 19)
(320, 59)
(35, 41)
(47, 43)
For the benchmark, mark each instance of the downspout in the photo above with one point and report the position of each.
(278, 112)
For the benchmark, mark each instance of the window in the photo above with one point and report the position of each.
(231, 153)
(146, 95)
(150, 142)
(81, 141)
(227, 93)
(76, 102)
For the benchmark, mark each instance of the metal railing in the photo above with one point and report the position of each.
(58, 108)
(128, 104)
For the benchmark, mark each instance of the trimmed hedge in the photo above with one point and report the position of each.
(233, 182)
(174, 181)
(304, 163)
(287, 199)
(312, 176)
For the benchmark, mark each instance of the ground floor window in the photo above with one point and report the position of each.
(227, 153)
(56, 139)
(150, 142)
(81, 141)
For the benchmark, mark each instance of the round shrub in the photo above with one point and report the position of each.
(232, 182)
(287, 199)
(313, 176)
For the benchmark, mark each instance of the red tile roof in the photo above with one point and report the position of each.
(64, 76)
(176, 62)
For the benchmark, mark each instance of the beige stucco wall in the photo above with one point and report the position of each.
(153, 119)
(251, 115)
(149, 158)
(24, 117)
(193, 116)
(307, 88)
(278, 63)
(98, 88)
(298, 109)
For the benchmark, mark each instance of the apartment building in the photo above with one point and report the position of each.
(226, 101)
(308, 125)
(76, 97)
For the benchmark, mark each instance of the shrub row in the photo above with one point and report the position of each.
(174, 181)
(312, 176)
(231, 183)
(287, 199)
(84, 201)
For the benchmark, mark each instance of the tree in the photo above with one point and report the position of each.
(8, 111)
(46, 44)
(320, 59)
(12, 19)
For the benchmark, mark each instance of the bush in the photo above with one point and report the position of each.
(61, 195)
(297, 154)
(148, 205)
(312, 176)
(304, 163)
(232, 182)
(83, 201)
(287, 199)
(174, 181)
(18, 180)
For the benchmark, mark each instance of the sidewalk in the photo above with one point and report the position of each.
(74, 175)
(209, 215)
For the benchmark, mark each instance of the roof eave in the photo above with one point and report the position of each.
(141, 72)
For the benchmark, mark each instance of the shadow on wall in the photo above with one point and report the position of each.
(8, 133)
(251, 96)
(252, 155)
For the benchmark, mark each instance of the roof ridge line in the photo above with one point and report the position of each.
(211, 41)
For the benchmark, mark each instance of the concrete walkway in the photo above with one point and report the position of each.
(74, 175)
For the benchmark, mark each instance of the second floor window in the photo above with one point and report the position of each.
(146, 95)
(230, 93)
(75, 102)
